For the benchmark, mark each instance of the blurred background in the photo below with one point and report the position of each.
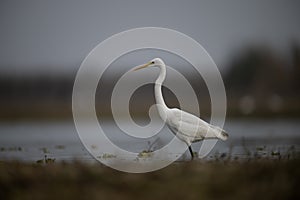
(255, 44)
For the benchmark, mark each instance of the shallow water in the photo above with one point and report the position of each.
(31, 141)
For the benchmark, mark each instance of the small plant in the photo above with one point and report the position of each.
(107, 155)
(195, 153)
(261, 148)
(246, 150)
(275, 153)
(291, 152)
(41, 161)
(46, 160)
(145, 154)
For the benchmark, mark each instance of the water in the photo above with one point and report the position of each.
(31, 141)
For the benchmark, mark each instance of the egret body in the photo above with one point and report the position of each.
(187, 127)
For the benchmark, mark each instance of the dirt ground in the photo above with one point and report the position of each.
(255, 179)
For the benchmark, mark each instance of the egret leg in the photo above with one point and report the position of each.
(191, 151)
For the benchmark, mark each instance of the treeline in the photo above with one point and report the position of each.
(258, 83)
(261, 82)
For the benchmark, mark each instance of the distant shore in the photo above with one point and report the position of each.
(63, 111)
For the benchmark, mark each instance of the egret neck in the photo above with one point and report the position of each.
(161, 105)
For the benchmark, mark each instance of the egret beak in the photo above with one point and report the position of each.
(142, 66)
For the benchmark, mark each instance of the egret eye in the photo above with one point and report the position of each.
(152, 62)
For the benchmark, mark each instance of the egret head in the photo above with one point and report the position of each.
(156, 62)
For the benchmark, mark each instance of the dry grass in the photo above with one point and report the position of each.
(261, 179)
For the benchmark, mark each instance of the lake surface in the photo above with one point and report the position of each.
(31, 141)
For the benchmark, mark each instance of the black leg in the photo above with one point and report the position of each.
(191, 151)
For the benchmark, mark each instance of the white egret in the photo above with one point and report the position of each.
(185, 126)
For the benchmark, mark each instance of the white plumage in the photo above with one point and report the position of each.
(185, 126)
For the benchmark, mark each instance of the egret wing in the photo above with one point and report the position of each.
(187, 125)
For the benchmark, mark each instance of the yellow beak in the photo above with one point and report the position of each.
(142, 66)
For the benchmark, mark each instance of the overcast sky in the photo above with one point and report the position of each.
(38, 34)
